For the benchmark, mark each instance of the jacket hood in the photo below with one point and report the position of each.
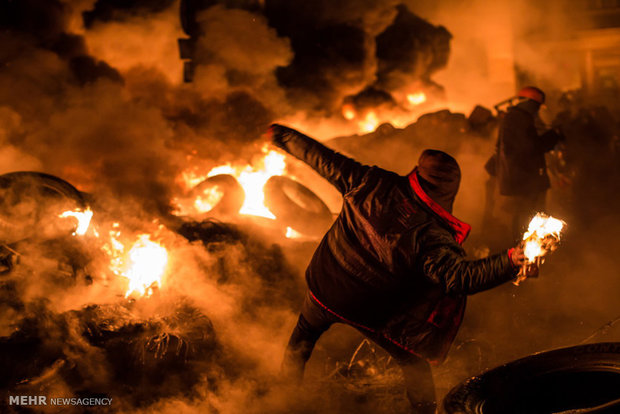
(461, 229)
(440, 176)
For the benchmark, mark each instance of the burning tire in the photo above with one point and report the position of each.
(297, 206)
(581, 379)
(46, 183)
(28, 199)
(222, 193)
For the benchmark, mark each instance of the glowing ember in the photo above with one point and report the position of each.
(83, 219)
(348, 112)
(416, 98)
(542, 236)
(292, 234)
(369, 124)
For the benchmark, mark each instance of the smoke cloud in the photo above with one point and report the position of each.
(92, 91)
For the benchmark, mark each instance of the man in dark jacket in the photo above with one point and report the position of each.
(391, 265)
(521, 168)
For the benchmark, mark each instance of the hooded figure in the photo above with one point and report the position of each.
(391, 265)
(520, 162)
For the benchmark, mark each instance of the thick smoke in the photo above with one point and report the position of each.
(92, 91)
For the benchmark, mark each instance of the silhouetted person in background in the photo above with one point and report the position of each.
(521, 169)
(391, 265)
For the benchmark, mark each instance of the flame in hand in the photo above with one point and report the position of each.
(542, 236)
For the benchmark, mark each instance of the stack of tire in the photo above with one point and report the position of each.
(293, 204)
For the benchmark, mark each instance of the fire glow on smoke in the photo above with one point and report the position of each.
(368, 121)
(416, 98)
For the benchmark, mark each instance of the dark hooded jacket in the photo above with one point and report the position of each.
(391, 264)
(521, 167)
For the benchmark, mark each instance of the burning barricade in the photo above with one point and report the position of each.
(59, 260)
(100, 306)
(260, 191)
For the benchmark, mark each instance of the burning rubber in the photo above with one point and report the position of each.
(297, 206)
(28, 200)
(581, 379)
(225, 194)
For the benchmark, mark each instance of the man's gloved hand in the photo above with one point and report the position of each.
(517, 256)
(279, 133)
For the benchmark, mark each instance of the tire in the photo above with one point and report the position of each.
(40, 191)
(581, 379)
(297, 206)
(232, 198)
(47, 183)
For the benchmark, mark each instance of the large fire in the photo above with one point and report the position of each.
(542, 236)
(143, 264)
(251, 177)
(147, 262)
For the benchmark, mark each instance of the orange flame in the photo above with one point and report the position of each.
(292, 234)
(251, 177)
(542, 236)
(147, 263)
(143, 264)
(208, 199)
(348, 112)
(370, 123)
(83, 219)
(416, 98)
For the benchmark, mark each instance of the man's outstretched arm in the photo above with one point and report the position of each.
(342, 172)
(444, 263)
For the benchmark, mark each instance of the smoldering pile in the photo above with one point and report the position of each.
(68, 331)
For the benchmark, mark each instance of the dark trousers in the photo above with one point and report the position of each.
(314, 320)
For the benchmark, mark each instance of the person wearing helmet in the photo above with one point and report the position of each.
(391, 265)
(521, 170)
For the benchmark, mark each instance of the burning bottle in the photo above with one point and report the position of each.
(542, 237)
